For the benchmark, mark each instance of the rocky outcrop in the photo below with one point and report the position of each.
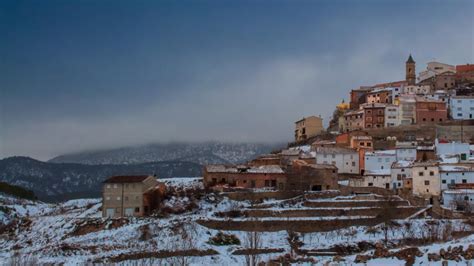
(453, 254)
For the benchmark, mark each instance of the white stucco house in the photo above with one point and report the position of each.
(455, 174)
(400, 172)
(379, 160)
(392, 118)
(346, 160)
(406, 150)
(459, 199)
(453, 148)
(461, 107)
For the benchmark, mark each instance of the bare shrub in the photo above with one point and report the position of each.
(18, 259)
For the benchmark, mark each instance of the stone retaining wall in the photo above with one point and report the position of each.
(322, 212)
(258, 196)
(360, 203)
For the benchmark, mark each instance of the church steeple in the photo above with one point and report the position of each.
(410, 76)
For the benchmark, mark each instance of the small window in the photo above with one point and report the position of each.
(431, 173)
(464, 181)
(137, 209)
(108, 185)
(107, 198)
(118, 198)
(115, 185)
(443, 181)
(427, 182)
(420, 173)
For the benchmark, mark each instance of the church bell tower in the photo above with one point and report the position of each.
(410, 71)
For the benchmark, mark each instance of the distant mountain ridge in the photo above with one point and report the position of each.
(200, 153)
(58, 181)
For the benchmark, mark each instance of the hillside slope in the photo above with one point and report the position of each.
(58, 181)
(74, 233)
(200, 153)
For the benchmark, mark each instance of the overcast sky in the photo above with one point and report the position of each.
(79, 75)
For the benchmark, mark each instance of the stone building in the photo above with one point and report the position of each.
(358, 97)
(311, 177)
(125, 195)
(308, 127)
(244, 176)
(379, 96)
(299, 175)
(377, 178)
(354, 120)
(433, 69)
(418, 89)
(425, 153)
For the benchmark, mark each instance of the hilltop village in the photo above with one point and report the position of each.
(389, 182)
(410, 137)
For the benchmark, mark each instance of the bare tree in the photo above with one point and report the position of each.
(387, 214)
(187, 233)
(252, 243)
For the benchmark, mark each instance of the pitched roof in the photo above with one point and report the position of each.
(126, 179)
(410, 59)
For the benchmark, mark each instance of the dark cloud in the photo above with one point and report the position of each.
(236, 75)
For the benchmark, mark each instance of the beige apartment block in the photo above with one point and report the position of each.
(308, 127)
(125, 195)
(426, 179)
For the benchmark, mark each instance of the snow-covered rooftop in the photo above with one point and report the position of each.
(459, 191)
(377, 172)
(381, 153)
(455, 168)
(401, 164)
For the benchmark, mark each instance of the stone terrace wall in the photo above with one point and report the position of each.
(279, 225)
(346, 190)
(359, 203)
(322, 212)
(258, 196)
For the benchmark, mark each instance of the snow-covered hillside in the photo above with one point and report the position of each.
(60, 181)
(74, 233)
(200, 153)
